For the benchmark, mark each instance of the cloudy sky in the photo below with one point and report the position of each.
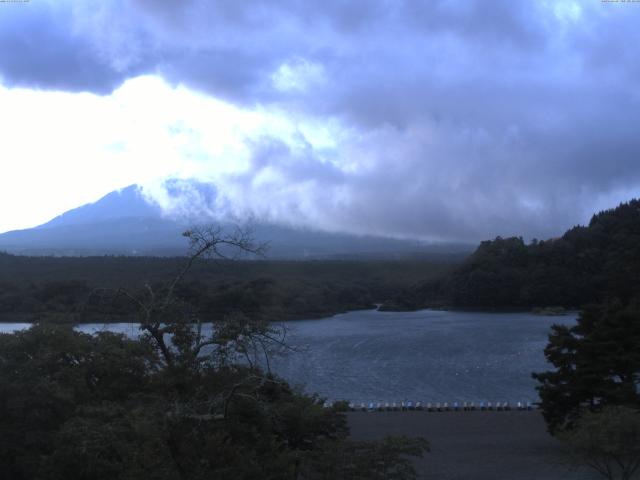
(441, 120)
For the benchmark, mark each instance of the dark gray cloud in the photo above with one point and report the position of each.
(42, 47)
(465, 119)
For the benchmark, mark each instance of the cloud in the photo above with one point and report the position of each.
(396, 183)
(46, 46)
(437, 119)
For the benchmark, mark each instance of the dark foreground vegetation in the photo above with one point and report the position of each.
(75, 406)
(591, 399)
(597, 363)
(173, 404)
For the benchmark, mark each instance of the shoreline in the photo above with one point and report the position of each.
(6, 318)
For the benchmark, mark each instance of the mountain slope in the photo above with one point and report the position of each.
(125, 223)
(122, 222)
(125, 203)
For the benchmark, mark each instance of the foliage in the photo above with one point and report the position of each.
(587, 264)
(173, 404)
(597, 363)
(65, 289)
(607, 441)
(50, 375)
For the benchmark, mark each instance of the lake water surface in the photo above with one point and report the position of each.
(431, 356)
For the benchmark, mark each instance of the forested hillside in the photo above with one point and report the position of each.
(68, 288)
(588, 264)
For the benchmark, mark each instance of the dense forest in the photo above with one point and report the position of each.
(174, 403)
(68, 289)
(588, 264)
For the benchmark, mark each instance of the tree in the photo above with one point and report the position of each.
(176, 403)
(597, 363)
(161, 313)
(607, 441)
(593, 263)
(52, 378)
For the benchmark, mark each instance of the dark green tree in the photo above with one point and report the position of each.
(54, 380)
(175, 404)
(597, 363)
(607, 441)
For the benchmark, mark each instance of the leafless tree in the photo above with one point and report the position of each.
(175, 328)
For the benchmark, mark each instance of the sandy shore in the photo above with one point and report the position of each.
(475, 445)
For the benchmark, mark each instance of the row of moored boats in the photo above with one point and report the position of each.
(439, 406)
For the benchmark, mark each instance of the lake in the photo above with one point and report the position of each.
(428, 355)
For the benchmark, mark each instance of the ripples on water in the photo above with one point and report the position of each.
(427, 355)
(433, 356)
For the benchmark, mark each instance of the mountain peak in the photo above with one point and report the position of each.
(128, 202)
(127, 222)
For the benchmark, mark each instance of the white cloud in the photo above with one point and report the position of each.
(61, 150)
(567, 11)
(461, 119)
(297, 75)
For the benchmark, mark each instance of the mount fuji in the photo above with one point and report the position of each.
(125, 222)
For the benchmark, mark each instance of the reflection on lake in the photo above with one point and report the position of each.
(426, 355)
